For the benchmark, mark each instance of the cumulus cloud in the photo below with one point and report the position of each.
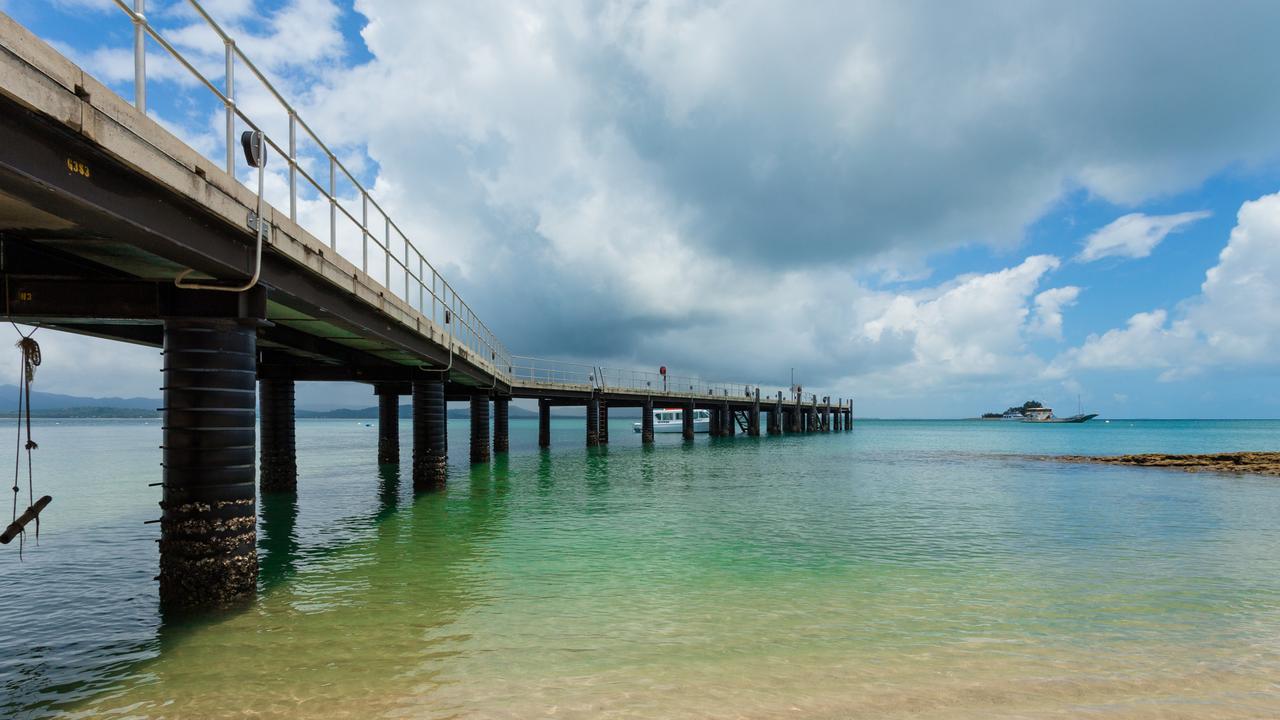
(1135, 235)
(1232, 322)
(718, 185)
(971, 328)
(1048, 313)
(599, 176)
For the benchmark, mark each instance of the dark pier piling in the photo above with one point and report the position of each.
(646, 422)
(277, 459)
(388, 423)
(430, 436)
(479, 429)
(501, 425)
(593, 421)
(208, 533)
(544, 423)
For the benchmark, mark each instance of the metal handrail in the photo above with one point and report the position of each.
(446, 307)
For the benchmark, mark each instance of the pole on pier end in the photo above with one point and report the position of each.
(208, 531)
(544, 423)
(602, 431)
(593, 421)
(501, 422)
(479, 429)
(277, 458)
(646, 422)
(430, 435)
(753, 419)
(388, 423)
(686, 420)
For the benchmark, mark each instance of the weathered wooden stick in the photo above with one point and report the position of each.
(27, 516)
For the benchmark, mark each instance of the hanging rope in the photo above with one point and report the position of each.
(30, 361)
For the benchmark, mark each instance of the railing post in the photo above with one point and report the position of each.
(229, 47)
(140, 56)
(293, 165)
(364, 232)
(333, 207)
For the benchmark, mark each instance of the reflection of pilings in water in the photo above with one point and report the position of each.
(546, 476)
(277, 538)
(388, 491)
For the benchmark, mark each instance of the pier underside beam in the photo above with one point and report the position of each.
(479, 429)
(430, 436)
(388, 423)
(277, 459)
(208, 533)
(544, 423)
(501, 430)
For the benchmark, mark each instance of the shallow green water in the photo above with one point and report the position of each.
(905, 569)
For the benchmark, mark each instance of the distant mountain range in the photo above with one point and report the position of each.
(45, 404)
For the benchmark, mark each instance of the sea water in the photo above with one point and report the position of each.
(903, 569)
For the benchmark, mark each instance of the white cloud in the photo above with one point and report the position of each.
(973, 327)
(1232, 322)
(1135, 235)
(1048, 315)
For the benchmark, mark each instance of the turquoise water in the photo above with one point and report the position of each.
(905, 569)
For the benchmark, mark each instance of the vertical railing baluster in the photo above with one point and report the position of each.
(386, 257)
(229, 47)
(293, 165)
(364, 231)
(333, 207)
(140, 56)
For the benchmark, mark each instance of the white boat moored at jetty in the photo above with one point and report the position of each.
(671, 420)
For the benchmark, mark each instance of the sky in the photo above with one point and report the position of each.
(937, 209)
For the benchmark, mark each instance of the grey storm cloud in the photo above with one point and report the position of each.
(776, 137)
(719, 184)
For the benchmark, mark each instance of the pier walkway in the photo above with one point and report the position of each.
(111, 226)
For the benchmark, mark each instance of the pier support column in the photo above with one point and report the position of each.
(731, 421)
(753, 418)
(713, 427)
(686, 418)
(593, 421)
(388, 424)
(797, 421)
(277, 458)
(501, 422)
(208, 532)
(836, 418)
(775, 416)
(602, 424)
(646, 422)
(544, 423)
(430, 436)
(479, 429)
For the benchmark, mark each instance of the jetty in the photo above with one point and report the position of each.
(112, 226)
